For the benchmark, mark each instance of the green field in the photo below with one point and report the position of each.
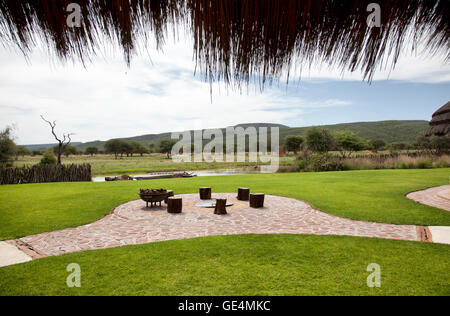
(377, 196)
(108, 165)
(236, 265)
(242, 265)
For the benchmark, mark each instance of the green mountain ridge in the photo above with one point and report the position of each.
(389, 131)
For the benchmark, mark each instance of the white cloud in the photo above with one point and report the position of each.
(106, 99)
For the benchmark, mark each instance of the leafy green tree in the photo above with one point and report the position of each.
(434, 144)
(398, 146)
(377, 144)
(49, 158)
(22, 151)
(91, 151)
(440, 144)
(67, 150)
(320, 140)
(166, 145)
(70, 150)
(114, 146)
(127, 148)
(7, 147)
(152, 147)
(348, 142)
(138, 148)
(423, 143)
(293, 143)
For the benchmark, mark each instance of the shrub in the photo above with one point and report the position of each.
(321, 162)
(424, 164)
(7, 147)
(48, 159)
(320, 140)
(302, 164)
(326, 162)
(293, 143)
(442, 162)
(92, 151)
(288, 169)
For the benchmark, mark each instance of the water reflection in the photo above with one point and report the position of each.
(199, 173)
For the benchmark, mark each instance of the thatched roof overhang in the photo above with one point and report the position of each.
(440, 124)
(234, 40)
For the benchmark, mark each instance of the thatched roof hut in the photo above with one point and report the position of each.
(234, 40)
(440, 124)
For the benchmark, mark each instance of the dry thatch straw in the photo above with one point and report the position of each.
(440, 124)
(235, 40)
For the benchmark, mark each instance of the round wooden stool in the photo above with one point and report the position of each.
(205, 193)
(174, 205)
(221, 207)
(243, 194)
(257, 200)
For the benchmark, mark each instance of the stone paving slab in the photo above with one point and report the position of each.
(438, 197)
(440, 234)
(435, 197)
(132, 224)
(10, 255)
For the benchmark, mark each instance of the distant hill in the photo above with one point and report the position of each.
(389, 131)
(156, 138)
(47, 146)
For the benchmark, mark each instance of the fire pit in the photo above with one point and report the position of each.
(155, 196)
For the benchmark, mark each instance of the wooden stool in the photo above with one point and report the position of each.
(257, 200)
(221, 207)
(205, 193)
(243, 194)
(174, 205)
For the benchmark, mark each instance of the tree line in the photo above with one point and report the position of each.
(316, 140)
(320, 140)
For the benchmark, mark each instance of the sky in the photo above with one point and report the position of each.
(160, 93)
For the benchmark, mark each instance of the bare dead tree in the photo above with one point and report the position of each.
(62, 143)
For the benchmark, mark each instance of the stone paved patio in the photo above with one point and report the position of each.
(132, 224)
(437, 197)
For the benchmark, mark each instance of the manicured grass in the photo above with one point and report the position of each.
(242, 265)
(377, 196)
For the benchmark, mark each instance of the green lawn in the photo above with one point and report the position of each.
(242, 265)
(236, 265)
(377, 196)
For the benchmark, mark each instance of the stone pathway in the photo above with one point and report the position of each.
(132, 224)
(440, 234)
(440, 198)
(436, 197)
(9, 255)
